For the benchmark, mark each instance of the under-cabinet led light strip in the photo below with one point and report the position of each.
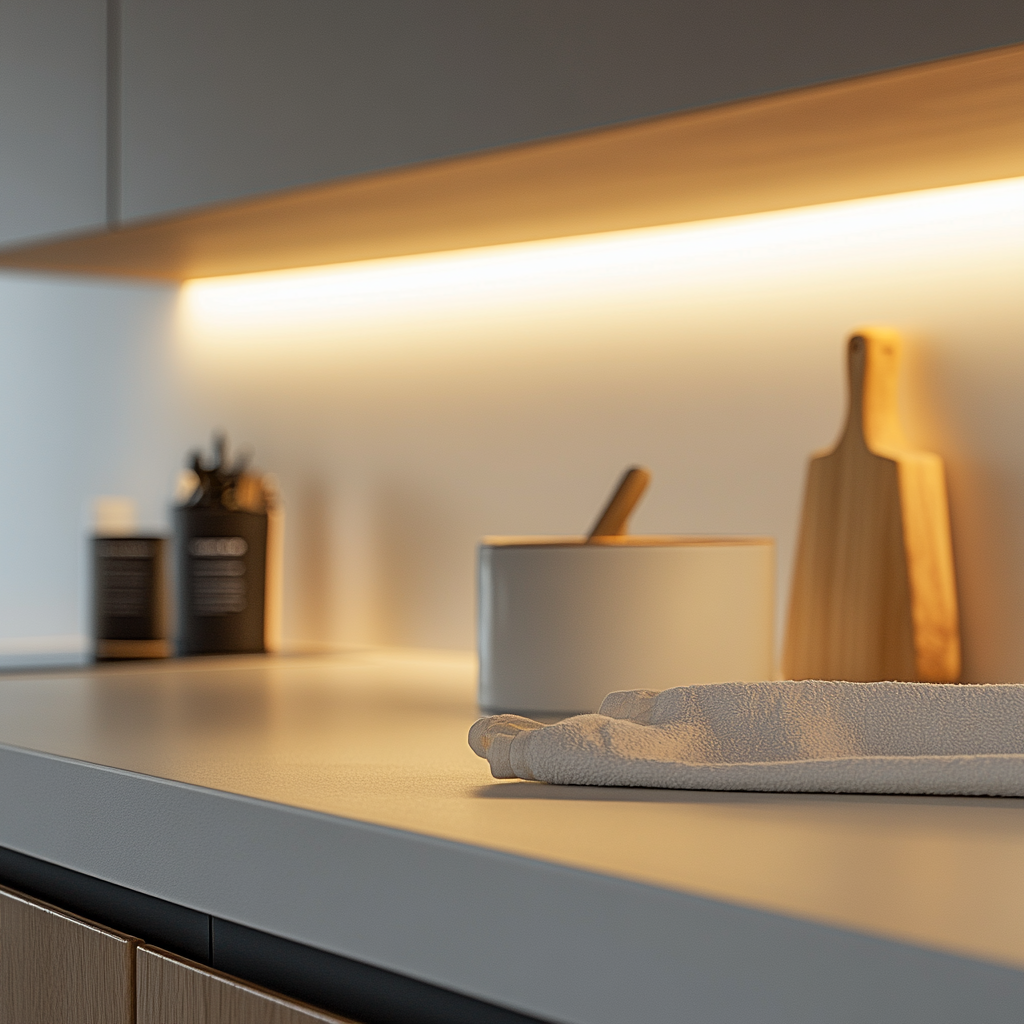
(376, 301)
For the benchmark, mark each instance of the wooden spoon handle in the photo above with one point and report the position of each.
(612, 521)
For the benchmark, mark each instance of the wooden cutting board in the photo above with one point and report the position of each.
(874, 591)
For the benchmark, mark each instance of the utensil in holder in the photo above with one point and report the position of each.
(221, 539)
(563, 621)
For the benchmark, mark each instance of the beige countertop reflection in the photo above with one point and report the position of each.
(380, 736)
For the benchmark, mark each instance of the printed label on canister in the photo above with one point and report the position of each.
(221, 560)
(217, 547)
(218, 574)
(127, 588)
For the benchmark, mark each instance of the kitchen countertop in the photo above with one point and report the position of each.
(334, 801)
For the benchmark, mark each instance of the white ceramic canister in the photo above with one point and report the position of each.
(562, 623)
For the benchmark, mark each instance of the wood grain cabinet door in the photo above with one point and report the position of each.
(172, 990)
(56, 968)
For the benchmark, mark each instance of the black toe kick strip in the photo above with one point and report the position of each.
(176, 929)
(333, 983)
(345, 986)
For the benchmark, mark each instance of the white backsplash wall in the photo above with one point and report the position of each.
(411, 406)
(85, 409)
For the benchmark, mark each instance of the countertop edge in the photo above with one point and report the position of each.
(499, 927)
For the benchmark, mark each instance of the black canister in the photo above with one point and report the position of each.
(221, 542)
(129, 615)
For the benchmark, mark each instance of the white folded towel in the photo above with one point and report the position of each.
(793, 737)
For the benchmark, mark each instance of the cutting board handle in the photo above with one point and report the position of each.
(873, 361)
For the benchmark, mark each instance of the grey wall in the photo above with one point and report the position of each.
(53, 61)
(224, 98)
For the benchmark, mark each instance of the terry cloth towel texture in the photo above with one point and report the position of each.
(788, 737)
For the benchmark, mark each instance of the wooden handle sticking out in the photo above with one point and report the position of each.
(613, 520)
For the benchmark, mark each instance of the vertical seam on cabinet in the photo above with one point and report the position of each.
(113, 197)
(133, 980)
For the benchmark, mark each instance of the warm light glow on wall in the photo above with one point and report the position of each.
(412, 405)
(410, 299)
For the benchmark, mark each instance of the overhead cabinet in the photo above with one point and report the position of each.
(222, 100)
(948, 122)
(53, 117)
(207, 137)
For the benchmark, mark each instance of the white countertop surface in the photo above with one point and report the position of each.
(334, 800)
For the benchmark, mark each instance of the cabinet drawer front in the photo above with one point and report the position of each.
(172, 990)
(56, 968)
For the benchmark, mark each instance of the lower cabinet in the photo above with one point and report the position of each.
(57, 968)
(176, 991)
